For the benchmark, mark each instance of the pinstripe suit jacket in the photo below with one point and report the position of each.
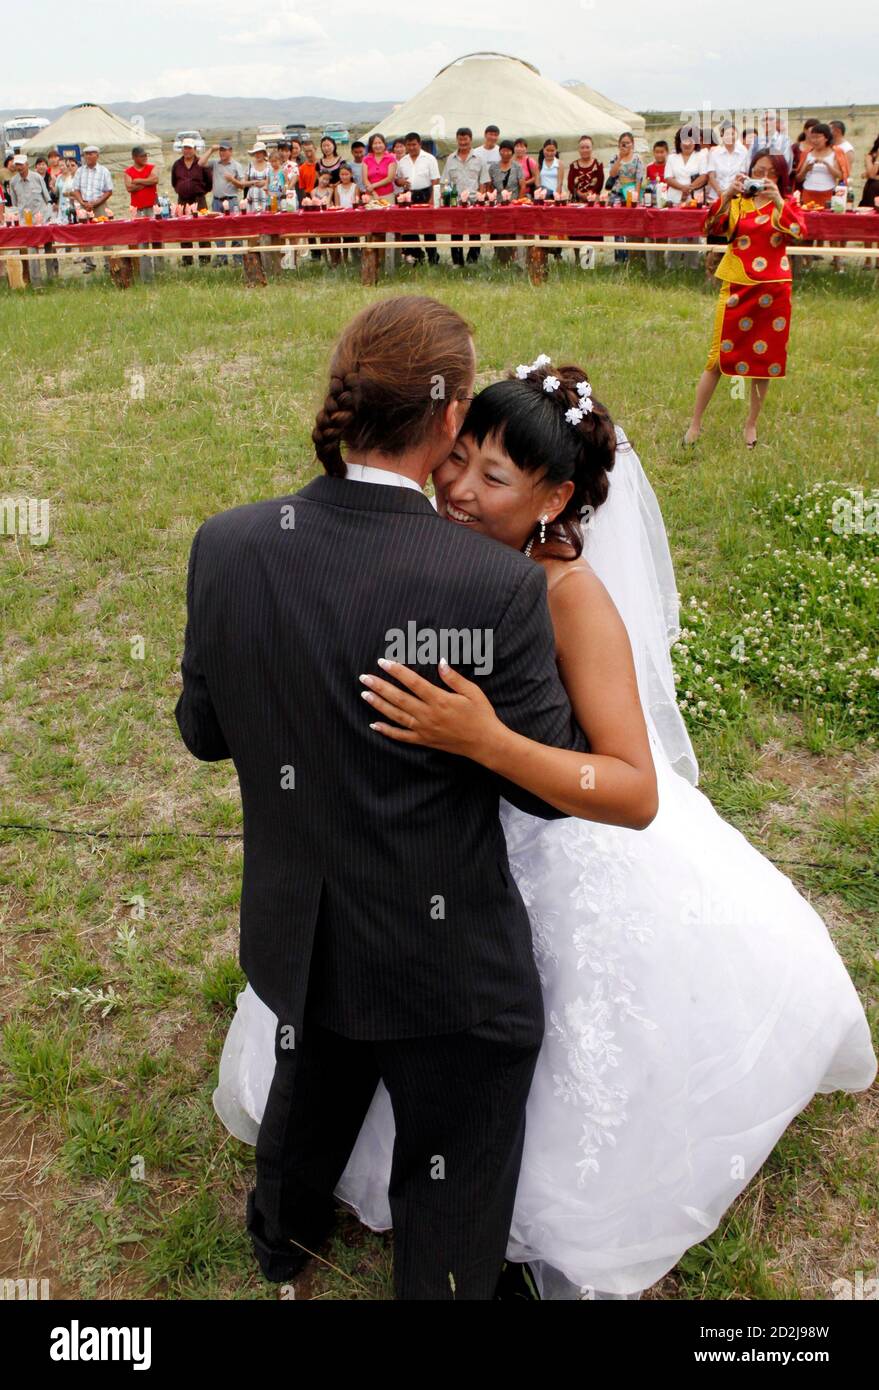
(379, 867)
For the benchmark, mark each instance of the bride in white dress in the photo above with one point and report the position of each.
(694, 1001)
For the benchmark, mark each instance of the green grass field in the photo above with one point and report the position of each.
(139, 414)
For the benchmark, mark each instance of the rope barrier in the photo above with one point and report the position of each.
(172, 833)
(605, 242)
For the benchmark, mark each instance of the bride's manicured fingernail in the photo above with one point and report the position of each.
(365, 680)
(444, 665)
(385, 664)
(367, 695)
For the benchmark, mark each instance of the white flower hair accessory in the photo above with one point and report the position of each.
(551, 383)
(541, 360)
(586, 406)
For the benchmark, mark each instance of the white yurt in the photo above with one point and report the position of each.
(91, 124)
(483, 89)
(631, 119)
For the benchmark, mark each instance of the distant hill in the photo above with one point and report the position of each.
(168, 114)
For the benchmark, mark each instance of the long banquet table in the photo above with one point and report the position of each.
(577, 222)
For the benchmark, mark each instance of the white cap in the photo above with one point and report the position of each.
(187, 144)
(91, 149)
(20, 159)
(259, 148)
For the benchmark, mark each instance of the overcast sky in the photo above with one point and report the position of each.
(661, 54)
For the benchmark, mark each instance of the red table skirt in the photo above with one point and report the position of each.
(573, 221)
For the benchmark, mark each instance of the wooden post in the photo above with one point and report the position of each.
(17, 272)
(121, 270)
(536, 261)
(254, 275)
(274, 262)
(369, 265)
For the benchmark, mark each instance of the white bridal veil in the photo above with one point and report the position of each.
(626, 545)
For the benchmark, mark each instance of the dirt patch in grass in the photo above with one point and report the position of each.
(29, 1192)
(847, 1236)
(808, 773)
(239, 370)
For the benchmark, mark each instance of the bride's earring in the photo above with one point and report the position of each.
(530, 546)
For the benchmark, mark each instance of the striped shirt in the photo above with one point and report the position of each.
(91, 183)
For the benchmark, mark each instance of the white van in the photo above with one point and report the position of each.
(22, 128)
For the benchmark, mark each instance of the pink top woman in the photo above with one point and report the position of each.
(376, 171)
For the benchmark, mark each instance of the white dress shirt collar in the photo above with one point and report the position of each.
(363, 473)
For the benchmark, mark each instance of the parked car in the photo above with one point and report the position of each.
(194, 135)
(297, 131)
(339, 133)
(269, 134)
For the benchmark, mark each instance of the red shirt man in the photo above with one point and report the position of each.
(141, 180)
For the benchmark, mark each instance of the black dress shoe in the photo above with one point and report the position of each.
(516, 1282)
(279, 1262)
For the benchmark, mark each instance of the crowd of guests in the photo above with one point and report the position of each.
(306, 175)
(816, 163)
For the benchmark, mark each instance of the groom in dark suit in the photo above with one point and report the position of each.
(378, 916)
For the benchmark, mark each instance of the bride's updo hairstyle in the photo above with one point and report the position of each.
(395, 368)
(528, 421)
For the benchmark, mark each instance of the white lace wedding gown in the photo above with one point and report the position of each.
(694, 1001)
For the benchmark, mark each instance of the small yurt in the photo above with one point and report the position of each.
(91, 124)
(483, 89)
(631, 119)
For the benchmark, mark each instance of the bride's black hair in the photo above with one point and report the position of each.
(529, 423)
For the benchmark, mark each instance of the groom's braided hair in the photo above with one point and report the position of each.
(334, 418)
(397, 364)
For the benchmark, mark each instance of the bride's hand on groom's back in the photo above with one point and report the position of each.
(459, 719)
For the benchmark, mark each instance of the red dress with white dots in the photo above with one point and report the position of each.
(752, 324)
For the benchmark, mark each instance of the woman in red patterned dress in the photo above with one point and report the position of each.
(752, 323)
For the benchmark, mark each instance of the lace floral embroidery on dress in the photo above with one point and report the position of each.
(542, 927)
(587, 1033)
